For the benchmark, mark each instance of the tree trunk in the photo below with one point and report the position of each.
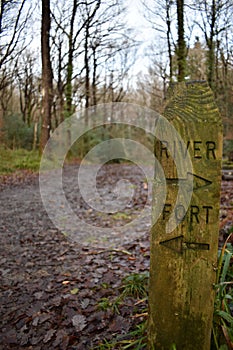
(35, 135)
(47, 75)
(94, 79)
(87, 69)
(60, 87)
(69, 102)
(181, 55)
(168, 20)
(1, 123)
(211, 47)
(87, 75)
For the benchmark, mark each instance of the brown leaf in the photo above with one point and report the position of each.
(49, 335)
(119, 324)
(60, 336)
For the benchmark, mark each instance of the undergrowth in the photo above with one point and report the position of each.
(132, 286)
(136, 286)
(17, 159)
(223, 309)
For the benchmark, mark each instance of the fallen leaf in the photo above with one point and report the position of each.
(84, 303)
(74, 291)
(61, 334)
(131, 258)
(118, 324)
(79, 322)
(49, 335)
(65, 282)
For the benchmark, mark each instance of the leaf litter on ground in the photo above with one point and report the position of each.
(38, 310)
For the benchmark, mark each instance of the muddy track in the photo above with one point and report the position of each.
(51, 286)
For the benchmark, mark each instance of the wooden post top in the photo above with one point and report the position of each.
(192, 101)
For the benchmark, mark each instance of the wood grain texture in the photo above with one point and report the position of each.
(182, 270)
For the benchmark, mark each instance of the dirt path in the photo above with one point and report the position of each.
(23, 204)
(40, 268)
(51, 287)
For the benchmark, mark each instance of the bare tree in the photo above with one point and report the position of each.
(215, 18)
(117, 67)
(6, 90)
(111, 53)
(72, 37)
(89, 18)
(196, 61)
(161, 15)
(13, 20)
(75, 29)
(87, 35)
(28, 84)
(150, 91)
(47, 75)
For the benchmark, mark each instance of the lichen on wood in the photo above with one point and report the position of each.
(182, 270)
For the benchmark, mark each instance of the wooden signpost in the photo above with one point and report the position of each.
(183, 259)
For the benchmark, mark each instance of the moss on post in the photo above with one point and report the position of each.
(182, 270)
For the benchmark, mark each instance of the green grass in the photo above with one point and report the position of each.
(136, 340)
(121, 216)
(14, 160)
(227, 164)
(132, 286)
(223, 319)
(135, 285)
(105, 304)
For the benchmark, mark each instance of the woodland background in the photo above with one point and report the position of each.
(57, 56)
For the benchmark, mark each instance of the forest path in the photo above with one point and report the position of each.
(52, 287)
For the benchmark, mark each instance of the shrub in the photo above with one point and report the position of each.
(17, 134)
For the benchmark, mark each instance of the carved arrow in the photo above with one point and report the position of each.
(198, 181)
(178, 245)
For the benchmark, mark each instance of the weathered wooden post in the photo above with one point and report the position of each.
(183, 259)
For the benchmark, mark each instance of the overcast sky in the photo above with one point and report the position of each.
(143, 31)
